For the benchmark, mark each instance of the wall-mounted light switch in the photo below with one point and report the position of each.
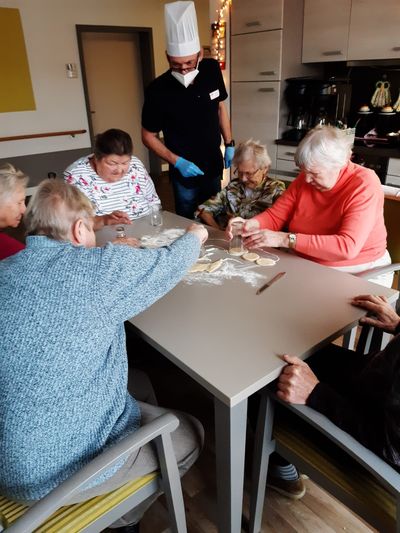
(71, 69)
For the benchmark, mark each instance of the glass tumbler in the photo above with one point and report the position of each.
(236, 244)
(120, 231)
(156, 215)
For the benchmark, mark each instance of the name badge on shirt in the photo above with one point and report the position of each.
(214, 94)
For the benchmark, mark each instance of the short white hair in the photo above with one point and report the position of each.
(10, 179)
(53, 209)
(324, 146)
(252, 151)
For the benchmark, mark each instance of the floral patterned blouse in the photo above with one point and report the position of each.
(133, 194)
(239, 201)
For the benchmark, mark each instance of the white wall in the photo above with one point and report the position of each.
(50, 37)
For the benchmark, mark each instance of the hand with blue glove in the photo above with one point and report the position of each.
(229, 153)
(187, 168)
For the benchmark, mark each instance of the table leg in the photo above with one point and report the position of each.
(230, 437)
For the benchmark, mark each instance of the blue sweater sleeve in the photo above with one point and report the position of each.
(131, 279)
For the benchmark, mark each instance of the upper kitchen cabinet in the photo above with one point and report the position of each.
(257, 56)
(374, 29)
(257, 15)
(326, 30)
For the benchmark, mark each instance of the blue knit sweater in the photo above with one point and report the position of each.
(63, 371)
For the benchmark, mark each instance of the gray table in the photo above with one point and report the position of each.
(230, 340)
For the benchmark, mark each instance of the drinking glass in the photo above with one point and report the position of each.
(156, 215)
(120, 231)
(236, 244)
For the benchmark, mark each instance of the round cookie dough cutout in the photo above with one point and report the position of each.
(265, 261)
(251, 256)
(198, 267)
(215, 266)
(236, 251)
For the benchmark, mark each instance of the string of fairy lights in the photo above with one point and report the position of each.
(218, 47)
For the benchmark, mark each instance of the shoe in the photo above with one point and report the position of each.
(291, 489)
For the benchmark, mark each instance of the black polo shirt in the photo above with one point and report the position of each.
(188, 117)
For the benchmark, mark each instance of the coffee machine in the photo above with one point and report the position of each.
(313, 102)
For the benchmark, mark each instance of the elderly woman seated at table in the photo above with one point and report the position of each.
(12, 206)
(332, 213)
(63, 377)
(114, 180)
(251, 192)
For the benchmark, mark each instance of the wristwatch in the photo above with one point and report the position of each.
(292, 240)
(231, 143)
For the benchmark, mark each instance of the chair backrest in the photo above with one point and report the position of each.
(104, 510)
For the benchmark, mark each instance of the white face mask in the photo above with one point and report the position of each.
(186, 79)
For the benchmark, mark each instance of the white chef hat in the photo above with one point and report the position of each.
(181, 29)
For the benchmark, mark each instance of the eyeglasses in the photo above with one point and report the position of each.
(187, 65)
(247, 175)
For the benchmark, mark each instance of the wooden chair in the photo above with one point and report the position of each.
(52, 514)
(330, 456)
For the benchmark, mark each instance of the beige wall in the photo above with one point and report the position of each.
(50, 35)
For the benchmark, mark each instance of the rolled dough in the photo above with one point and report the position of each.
(264, 261)
(251, 256)
(199, 267)
(214, 266)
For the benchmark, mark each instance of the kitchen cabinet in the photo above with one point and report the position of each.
(256, 112)
(257, 56)
(393, 172)
(351, 30)
(374, 29)
(285, 165)
(326, 30)
(257, 15)
(262, 57)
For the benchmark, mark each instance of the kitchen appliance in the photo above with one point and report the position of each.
(313, 102)
(371, 158)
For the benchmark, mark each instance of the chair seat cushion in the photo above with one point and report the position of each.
(73, 518)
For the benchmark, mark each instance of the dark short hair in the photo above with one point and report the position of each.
(112, 141)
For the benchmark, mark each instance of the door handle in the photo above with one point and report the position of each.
(253, 23)
(267, 73)
(266, 90)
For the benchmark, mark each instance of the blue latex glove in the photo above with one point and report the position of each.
(187, 168)
(229, 153)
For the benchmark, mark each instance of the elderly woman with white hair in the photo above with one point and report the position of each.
(250, 193)
(332, 213)
(12, 206)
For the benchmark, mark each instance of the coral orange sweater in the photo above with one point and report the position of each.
(340, 227)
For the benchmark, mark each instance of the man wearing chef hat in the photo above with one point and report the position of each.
(186, 104)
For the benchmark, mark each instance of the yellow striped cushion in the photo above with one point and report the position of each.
(73, 518)
(341, 469)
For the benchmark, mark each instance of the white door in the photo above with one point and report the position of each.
(115, 85)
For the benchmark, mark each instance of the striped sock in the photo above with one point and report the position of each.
(287, 472)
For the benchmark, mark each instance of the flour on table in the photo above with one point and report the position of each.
(163, 238)
(230, 268)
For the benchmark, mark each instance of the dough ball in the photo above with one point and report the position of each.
(215, 266)
(250, 256)
(265, 261)
(198, 267)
